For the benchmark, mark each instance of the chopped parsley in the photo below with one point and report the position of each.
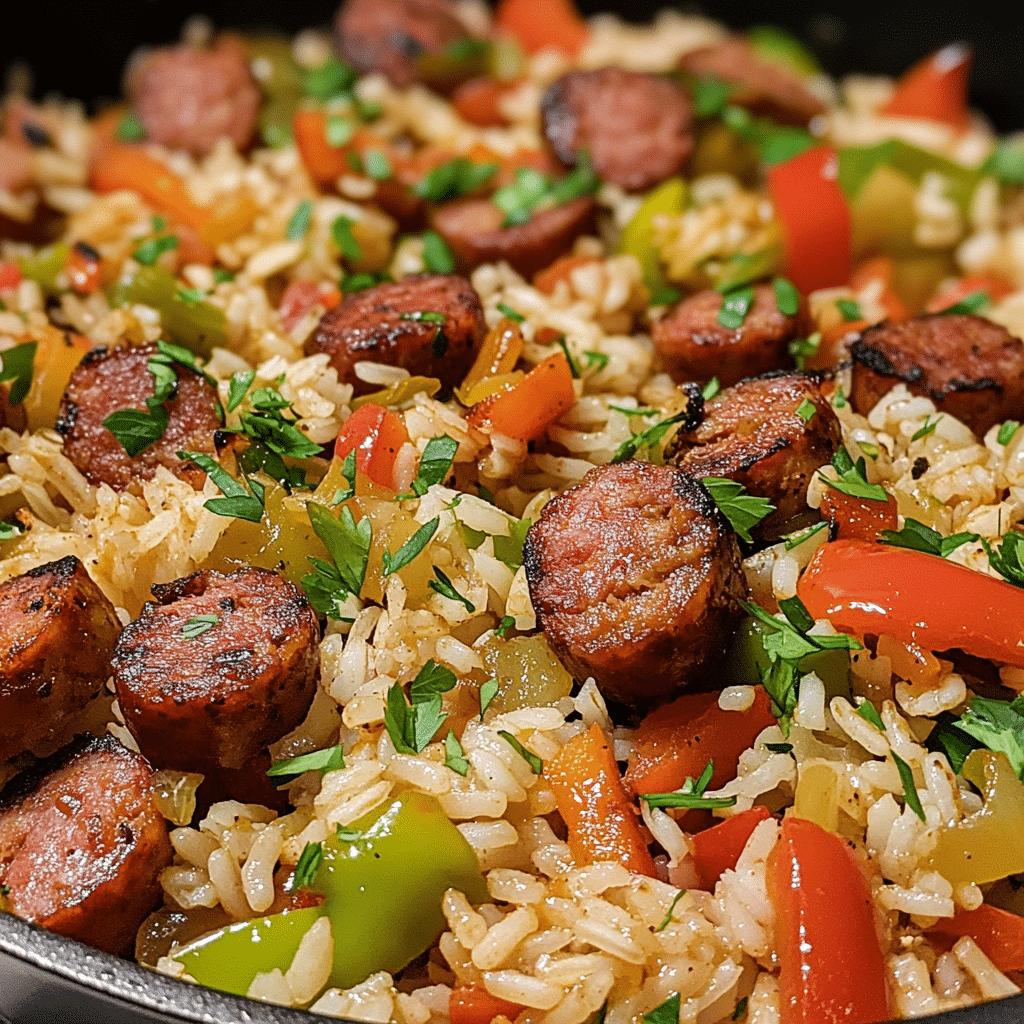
(927, 428)
(710, 95)
(787, 298)
(535, 763)
(453, 179)
(323, 761)
(238, 387)
(532, 191)
(443, 586)
(918, 537)
(138, 429)
(574, 367)
(849, 309)
(332, 78)
(8, 531)
(437, 257)
(647, 438)
(17, 365)
(346, 834)
(853, 479)
(239, 501)
(198, 625)
(735, 307)
(802, 349)
(779, 748)
(913, 801)
(510, 549)
(341, 232)
(839, 399)
(191, 296)
(348, 544)
(806, 410)
(454, 755)
(969, 304)
(691, 794)
(666, 920)
(507, 622)
(435, 465)
(741, 1008)
(666, 1013)
(795, 539)
(869, 713)
(598, 359)
(1007, 432)
(130, 129)
(710, 389)
(377, 165)
(338, 130)
(299, 224)
(431, 680)
(412, 726)
(152, 249)
(744, 511)
(309, 862)
(410, 549)
(665, 296)
(998, 725)
(1008, 558)
(488, 691)
(508, 311)
(360, 282)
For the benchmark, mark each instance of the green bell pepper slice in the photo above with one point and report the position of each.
(197, 325)
(44, 265)
(638, 235)
(747, 656)
(382, 888)
(777, 45)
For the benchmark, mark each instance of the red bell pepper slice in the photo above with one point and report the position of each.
(815, 218)
(864, 588)
(478, 1006)
(717, 849)
(376, 434)
(994, 286)
(543, 24)
(831, 966)
(936, 88)
(10, 277)
(301, 296)
(998, 933)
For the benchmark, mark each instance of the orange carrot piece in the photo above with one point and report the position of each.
(543, 24)
(994, 286)
(325, 163)
(477, 102)
(716, 849)
(936, 88)
(593, 803)
(528, 409)
(128, 167)
(478, 1006)
(676, 741)
(880, 268)
(546, 280)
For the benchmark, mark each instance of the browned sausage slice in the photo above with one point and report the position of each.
(759, 85)
(391, 36)
(110, 379)
(57, 636)
(214, 692)
(189, 98)
(472, 228)
(968, 366)
(635, 127)
(635, 578)
(695, 346)
(82, 844)
(397, 324)
(770, 434)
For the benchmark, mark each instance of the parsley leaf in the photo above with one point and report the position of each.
(443, 586)
(299, 224)
(691, 794)
(795, 539)
(377, 165)
(666, 1013)
(412, 726)
(735, 307)
(453, 179)
(853, 480)
(918, 537)
(710, 389)
(17, 366)
(8, 531)
(779, 748)
(710, 95)
(801, 349)
(137, 429)
(509, 312)
(130, 129)
(435, 463)
(1008, 558)
(869, 713)
(849, 309)
(410, 549)
(309, 862)
(1007, 432)
(437, 257)
(598, 359)
(999, 725)
(348, 835)
(665, 921)
(535, 763)
(338, 130)
(239, 501)
(744, 511)
(328, 760)
(488, 691)
(341, 232)
(151, 250)
(198, 625)
(787, 298)
(507, 622)
(332, 78)
(454, 755)
(432, 679)
(913, 801)
(647, 438)
(239, 386)
(969, 304)
(347, 542)
(532, 190)
(510, 549)
(927, 428)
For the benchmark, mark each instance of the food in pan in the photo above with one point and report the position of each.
(512, 518)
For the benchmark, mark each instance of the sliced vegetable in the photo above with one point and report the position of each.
(831, 966)
(637, 238)
(543, 24)
(83, 268)
(953, 292)
(717, 849)
(529, 408)
(498, 355)
(856, 517)
(128, 167)
(815, 218)
(593, 803)
(880, 270)
(676, 741)
(864, 588)
(935, 89)
(382, 893)
(478, 1006)
(301, 296)
(375, 434)
(45, 264)
(998, 933)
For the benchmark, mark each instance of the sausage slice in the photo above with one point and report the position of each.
(390, 36)
(189, 98)
(635, 577)
(397, 323)
(82, 844)
(694, 346)
(761, 86)
(474, 233)
(770, 434)
(968, 366)
(200, 694)
(635, 127)
(110, 379)
(57, 636)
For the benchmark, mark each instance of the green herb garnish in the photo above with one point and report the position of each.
(323, 761)
(744, 511)
(849, 309)
(410, 549)
(535, 763)
(787, 298)
(913, 801)
(488, 691)
(151, 250)
(443, 586)
(198, 625)
(299, 224)
(454, 755)
(17, 366)
(309, 862)
(735, 307)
